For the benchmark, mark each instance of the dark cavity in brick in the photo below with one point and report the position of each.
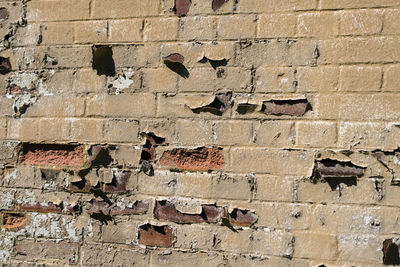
(118, 183)
(243, 217)
(148, 151)
(390, 251)
(103, 61)
(217, 4)
(100, 210)
(4, 14)
(199, 159)
(99, 156)
(214, 63)
(175, 63)
(166, 210)
(245, 108)
(49, 174)
(155, 236)
(14, 220)
(5, 65)
(52, 154)
(182, 7)
(218, 106)
(296, 107)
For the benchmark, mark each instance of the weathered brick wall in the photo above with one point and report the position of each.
(202, 132)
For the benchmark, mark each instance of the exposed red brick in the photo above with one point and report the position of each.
(174, 58)
(297, 107)
(5, 65)
(157, 236)
(165, 210)
(199, 159)
(99, 207)
(243, 217)
(390, 251)
(14, 220)
(216, 4)
(52, 154)
(140, 207)
(118, 183)
(182, 7)
(4, 14)
(333, 168)
(50, 207)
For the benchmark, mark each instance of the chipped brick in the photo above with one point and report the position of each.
(99, 207)
(52, 154)
(215, 63)
(5, 65)
(333, 168)
(98, 155)
(14, 220)
(218, 106)
(50, 207)
(245, 108)
(174, 58)
(199, 159)
(49, 174)
(297, 107)
(217, 4)
(390, 251)
(182, 7)
(157, 236)
(165, 210)
(103, 61)
(243, 217)
(118, 183)
(139, 208)
(4, 14)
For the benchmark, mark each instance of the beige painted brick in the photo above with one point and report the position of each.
(275, 5)
(87, 130)
(91, 31)
(229, 186)
(70, 57)
(316, 246)
(121, 131)
(274, 80)
(391, 81)
(318, 24)
(358, 106)
(368, 135)
(360, 78)
(156, 29)
(364, 248)
(23, 129)
(391, 21)
(277, 25)
(123, 105)
(275, 134)
(227, 30)
(317, 79)
(6, 106)
(306, 191)
(200, 80)
(272, 161)
(178, 258)
(231, 133)
(125, 8)
(235, 79)
(3, 128)
(123, 231)
(194, 132)
(160, 80)
(316, 134)
(54, 129)
(275, 188)
(50, 10)
(57, 106)
(339, 4)
(28, 35)
(360, 50)
(197, 28)
(126, 30)
(360, 22)
(58, 33)
(87, 81)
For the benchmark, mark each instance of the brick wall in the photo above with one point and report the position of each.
(207, 132)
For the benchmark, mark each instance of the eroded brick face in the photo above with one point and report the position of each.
(199, 132)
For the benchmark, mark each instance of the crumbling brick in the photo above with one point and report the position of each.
(182, 7)
(4, 14)
(243, 217)
(218, 106)
(174, 58)
(49, 174)
(199, 159)
(166, 210)
(217, 4)
(297, 107)
(333, 168)
(245, 108)
(138, 208)
(52, 154)
(5, 65)
(155, 236)
(118, 183)
(14, 220)
(175, 63)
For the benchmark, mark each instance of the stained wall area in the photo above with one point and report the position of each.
(207, 132)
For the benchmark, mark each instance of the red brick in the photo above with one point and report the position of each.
(157, 236)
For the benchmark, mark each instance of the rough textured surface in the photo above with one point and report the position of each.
(199, 133)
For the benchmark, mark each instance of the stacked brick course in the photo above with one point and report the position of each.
(207, 132)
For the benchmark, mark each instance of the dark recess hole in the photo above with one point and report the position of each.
(246, 108)
(178, 68)
(214, 63)
(333, 182)
(103, 61)
(5, 65)
(102, 159)
(102, 217)
(390, 253)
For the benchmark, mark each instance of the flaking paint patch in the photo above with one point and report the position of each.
(122, 82)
